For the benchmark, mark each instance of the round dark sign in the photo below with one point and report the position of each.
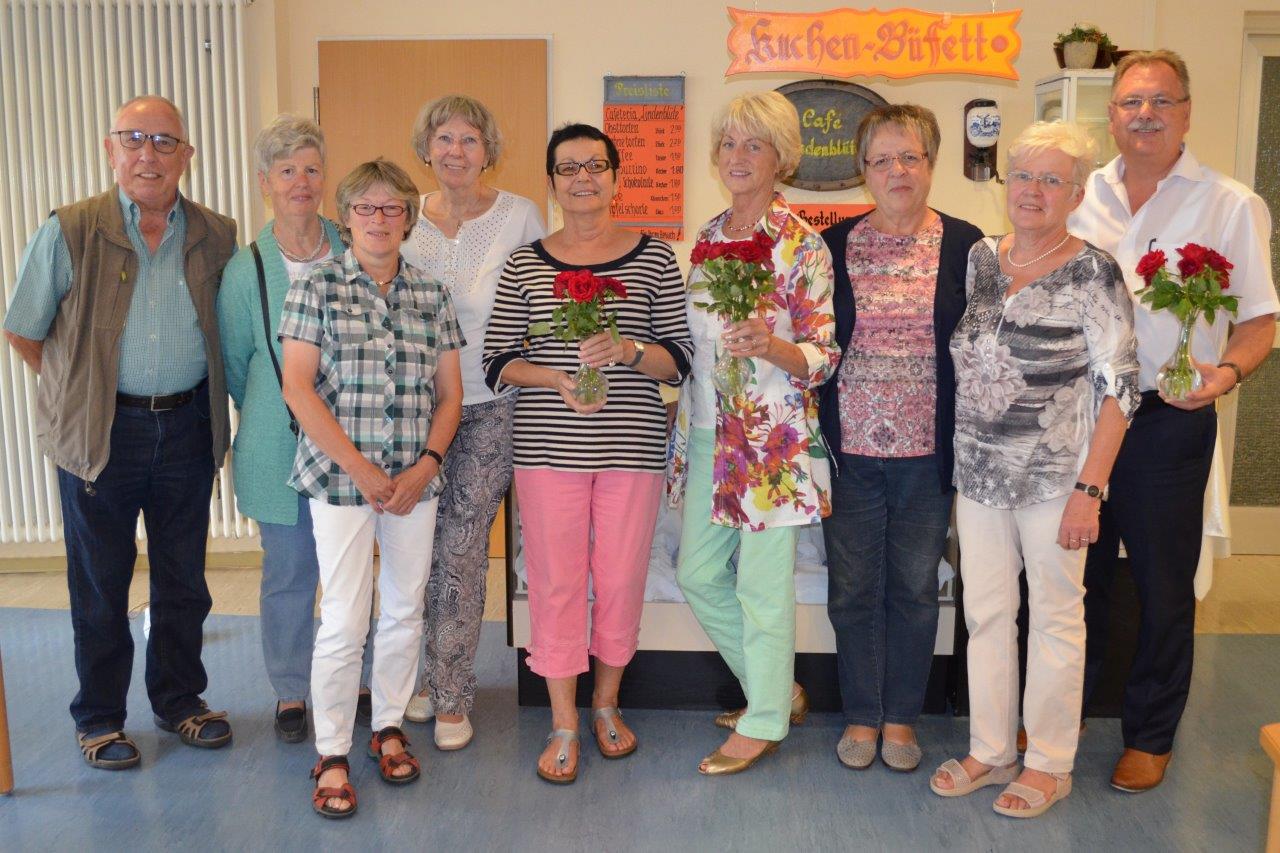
(829, 114)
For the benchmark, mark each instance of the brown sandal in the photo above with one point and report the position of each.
(91, 748)
(321, 796)
(388, 764)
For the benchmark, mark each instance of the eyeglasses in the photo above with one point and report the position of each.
(908, 161)
(571, 168)
(444, 142)
(391, 211)
(1050, 181)
(163, 143)
(1159, 103)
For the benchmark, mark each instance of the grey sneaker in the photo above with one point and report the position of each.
(856, 754)
(904, 757)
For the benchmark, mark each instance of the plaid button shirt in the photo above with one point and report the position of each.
(378, 358)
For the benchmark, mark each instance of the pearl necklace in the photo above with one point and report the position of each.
(1008, 255)
(315, 253)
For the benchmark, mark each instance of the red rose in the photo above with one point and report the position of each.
(1220, 265)
(561, 284)
(617, 288)
(583, 286)
(700, 250)
(1151, 263)
(1193, 259)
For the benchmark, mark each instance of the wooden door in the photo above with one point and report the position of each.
(372, 89)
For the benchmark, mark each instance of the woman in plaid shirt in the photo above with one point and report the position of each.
(371, 371)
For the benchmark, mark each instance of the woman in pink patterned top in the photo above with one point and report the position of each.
(888, 417)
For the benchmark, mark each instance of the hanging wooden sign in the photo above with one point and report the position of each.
(855, 42)
(644, 116)
(829, 113)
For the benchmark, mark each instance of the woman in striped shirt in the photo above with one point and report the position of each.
(588, 478)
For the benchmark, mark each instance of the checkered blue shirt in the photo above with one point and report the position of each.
(378, 358)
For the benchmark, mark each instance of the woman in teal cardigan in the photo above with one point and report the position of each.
(290, 161)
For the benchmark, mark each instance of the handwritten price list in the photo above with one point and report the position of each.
(645, 118)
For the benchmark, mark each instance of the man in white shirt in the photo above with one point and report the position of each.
(1156, 195)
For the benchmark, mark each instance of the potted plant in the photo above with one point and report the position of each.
(1083, 46)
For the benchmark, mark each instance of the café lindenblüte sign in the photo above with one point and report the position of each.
(829, 114)
(853, 42)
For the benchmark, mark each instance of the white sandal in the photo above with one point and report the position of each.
(964, 785)
(1037, 802)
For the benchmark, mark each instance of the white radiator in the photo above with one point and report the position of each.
(65, 65)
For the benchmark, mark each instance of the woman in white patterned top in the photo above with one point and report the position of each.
(463, 237)
(1046, 382)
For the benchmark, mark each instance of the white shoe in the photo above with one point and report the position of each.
(419, 709)
(453, 735)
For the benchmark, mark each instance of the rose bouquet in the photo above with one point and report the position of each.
(736, 276)
(580, 315)
(1197, 289)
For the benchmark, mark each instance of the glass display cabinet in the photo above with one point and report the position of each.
(1079, 95)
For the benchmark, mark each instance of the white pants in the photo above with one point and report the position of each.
(994, 545)
(344, 548)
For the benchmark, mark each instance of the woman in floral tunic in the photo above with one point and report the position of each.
(1046, 381)
(752, 468)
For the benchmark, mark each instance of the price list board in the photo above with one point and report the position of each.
(645, 118)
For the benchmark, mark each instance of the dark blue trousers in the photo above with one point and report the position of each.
(1156, 508)
(161, 465)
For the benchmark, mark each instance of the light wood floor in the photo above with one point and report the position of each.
(1245, 598)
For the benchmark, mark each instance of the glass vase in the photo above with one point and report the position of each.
(730, 374)
(1178, 377)
(590, 386)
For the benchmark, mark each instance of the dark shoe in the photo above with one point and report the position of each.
(291, 724)
(206, 729)
(1138, 771)
(388, 764)
(320, 795)
(364, 709)
(110, 751)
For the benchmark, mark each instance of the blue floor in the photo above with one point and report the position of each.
(255, 795)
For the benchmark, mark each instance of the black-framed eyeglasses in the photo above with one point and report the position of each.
(391, 211)
(908, 159)
(571, 168)
(163, 143)
(1159, 103)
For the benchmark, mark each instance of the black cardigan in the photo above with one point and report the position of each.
(958, 236)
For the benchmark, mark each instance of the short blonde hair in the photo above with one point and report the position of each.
(1153, 57)
(909, 117)
(764, 115)
(474, 113)
(380, 172)
(1069, 138)
(284, 136)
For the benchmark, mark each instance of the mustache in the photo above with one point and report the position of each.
(1143, 123)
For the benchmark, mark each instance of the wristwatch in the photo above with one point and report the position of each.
(633, 363)
(1239, 374)
(1099, 492)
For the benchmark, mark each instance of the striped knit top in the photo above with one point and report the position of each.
(630, 432)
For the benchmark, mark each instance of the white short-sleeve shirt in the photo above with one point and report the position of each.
(1192, 204)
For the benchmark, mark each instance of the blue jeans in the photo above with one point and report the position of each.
(287, 601)
(884, 538)
(161, 465)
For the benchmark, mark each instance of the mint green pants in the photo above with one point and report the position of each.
(750, 615)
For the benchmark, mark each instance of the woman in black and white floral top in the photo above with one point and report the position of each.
(1046, 382)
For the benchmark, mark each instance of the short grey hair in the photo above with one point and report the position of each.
(161, 99)
(284, 136)
(380, 172)
(1153, 57)
(474, 113)
(1069, 138)
(764, 115)
(909, 117)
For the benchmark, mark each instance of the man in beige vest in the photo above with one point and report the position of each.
(114, 311)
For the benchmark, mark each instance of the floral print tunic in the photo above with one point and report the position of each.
(1032, 372)
(770, 463)
(888, 387)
